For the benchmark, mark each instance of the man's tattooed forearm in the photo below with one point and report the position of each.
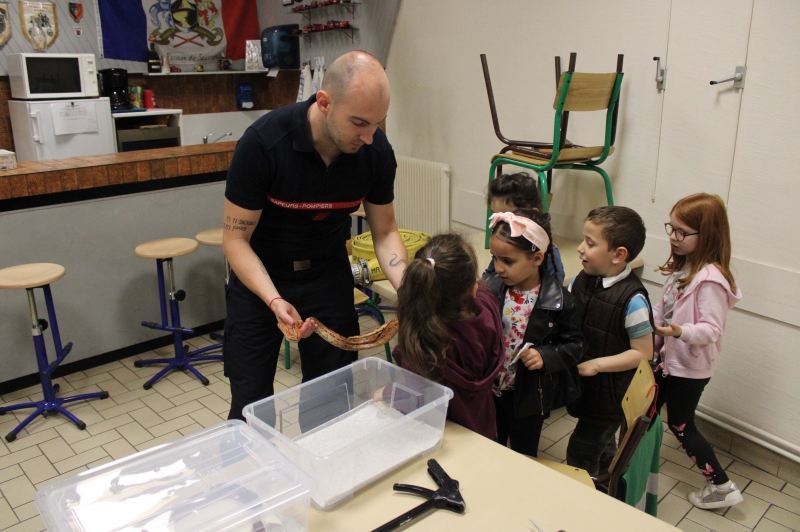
(263, 269)
(236, 224)
(396, 261)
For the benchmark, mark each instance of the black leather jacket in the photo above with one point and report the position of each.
(554, 329)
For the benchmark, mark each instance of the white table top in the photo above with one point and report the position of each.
(502, 490)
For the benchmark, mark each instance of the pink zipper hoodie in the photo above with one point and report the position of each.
(700, 311)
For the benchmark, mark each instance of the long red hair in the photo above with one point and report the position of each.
(705, 213)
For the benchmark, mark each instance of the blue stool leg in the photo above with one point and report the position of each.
(61, 353)
(50, 404)
(11, 436)
(183, 358)
(370, 307)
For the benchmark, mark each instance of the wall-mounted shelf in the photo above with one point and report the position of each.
(349, 6)
(209, 73)
(349, 31)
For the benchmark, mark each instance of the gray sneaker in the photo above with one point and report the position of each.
(712, 496)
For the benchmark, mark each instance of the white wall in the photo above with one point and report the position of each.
(195, 127)
(440, 112)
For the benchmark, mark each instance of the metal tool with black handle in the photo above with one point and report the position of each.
(447, 497)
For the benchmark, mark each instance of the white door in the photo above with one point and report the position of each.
(707, 40)
(98, 140)
(758, 378)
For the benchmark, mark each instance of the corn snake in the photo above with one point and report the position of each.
(375, 338)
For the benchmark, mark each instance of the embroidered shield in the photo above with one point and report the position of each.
(76, 11)
(5, 23)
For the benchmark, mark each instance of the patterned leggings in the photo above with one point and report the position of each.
(682, 396)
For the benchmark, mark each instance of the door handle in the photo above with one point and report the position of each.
(36, 135)
(661, 75)
(737, 79)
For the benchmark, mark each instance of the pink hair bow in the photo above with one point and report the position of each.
(521, 226)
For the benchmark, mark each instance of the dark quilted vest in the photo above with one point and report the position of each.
(604, 329)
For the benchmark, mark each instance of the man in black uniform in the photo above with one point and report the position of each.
(296, 175)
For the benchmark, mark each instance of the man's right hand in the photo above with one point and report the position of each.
(286, 312)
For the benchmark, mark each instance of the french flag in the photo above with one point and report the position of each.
(202, 27)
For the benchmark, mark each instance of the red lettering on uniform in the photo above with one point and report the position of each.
(312, 206)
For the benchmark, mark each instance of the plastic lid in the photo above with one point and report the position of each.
(226, 477)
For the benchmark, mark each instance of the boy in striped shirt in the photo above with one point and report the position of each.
(617, 325)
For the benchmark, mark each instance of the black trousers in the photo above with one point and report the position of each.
(592, 447)
(682, 397)
(523, 433)
(253, 342)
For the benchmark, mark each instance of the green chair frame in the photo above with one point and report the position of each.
(560, 142)
(370, 306)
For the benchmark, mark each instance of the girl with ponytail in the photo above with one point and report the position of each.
(450, 329)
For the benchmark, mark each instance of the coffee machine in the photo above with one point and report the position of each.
(114, 84)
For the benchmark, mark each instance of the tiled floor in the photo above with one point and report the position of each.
(135, 419)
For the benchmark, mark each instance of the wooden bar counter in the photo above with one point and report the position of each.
(34, 178)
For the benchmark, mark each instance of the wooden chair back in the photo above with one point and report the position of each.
(636, 403)
(587, 92)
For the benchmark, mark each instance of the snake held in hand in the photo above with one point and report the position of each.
(375, 338)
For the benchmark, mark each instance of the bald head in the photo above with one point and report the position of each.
(355, 70)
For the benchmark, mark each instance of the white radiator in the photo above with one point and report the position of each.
(422, 195)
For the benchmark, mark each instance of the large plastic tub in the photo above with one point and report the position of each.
(226, 478)
(354, 425)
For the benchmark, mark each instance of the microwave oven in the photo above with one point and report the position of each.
(49, 76)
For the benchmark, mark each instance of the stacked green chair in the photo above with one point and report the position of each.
(576, 92)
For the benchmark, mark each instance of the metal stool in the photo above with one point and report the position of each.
(213, 237)
(29, 277)
(165, 250)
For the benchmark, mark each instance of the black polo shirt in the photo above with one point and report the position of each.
(305, 204)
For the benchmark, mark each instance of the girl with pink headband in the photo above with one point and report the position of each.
(542, 335)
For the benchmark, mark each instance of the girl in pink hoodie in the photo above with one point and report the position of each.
(690, 320)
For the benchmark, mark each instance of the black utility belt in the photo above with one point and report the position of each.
(298, 265)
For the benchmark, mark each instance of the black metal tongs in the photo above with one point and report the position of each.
(447, 497)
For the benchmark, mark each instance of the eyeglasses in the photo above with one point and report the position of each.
(679, 235)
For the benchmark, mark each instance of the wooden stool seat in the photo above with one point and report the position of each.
(30, 275)
(166, 248)
(210, 237)
(359, 297)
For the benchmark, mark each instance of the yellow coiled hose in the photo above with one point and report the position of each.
(364, 249)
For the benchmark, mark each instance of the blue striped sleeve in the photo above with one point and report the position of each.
(637, 317)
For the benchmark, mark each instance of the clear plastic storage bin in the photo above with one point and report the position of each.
(354, 425)
(226, 478)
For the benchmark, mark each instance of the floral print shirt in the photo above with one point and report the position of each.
(517, 309)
